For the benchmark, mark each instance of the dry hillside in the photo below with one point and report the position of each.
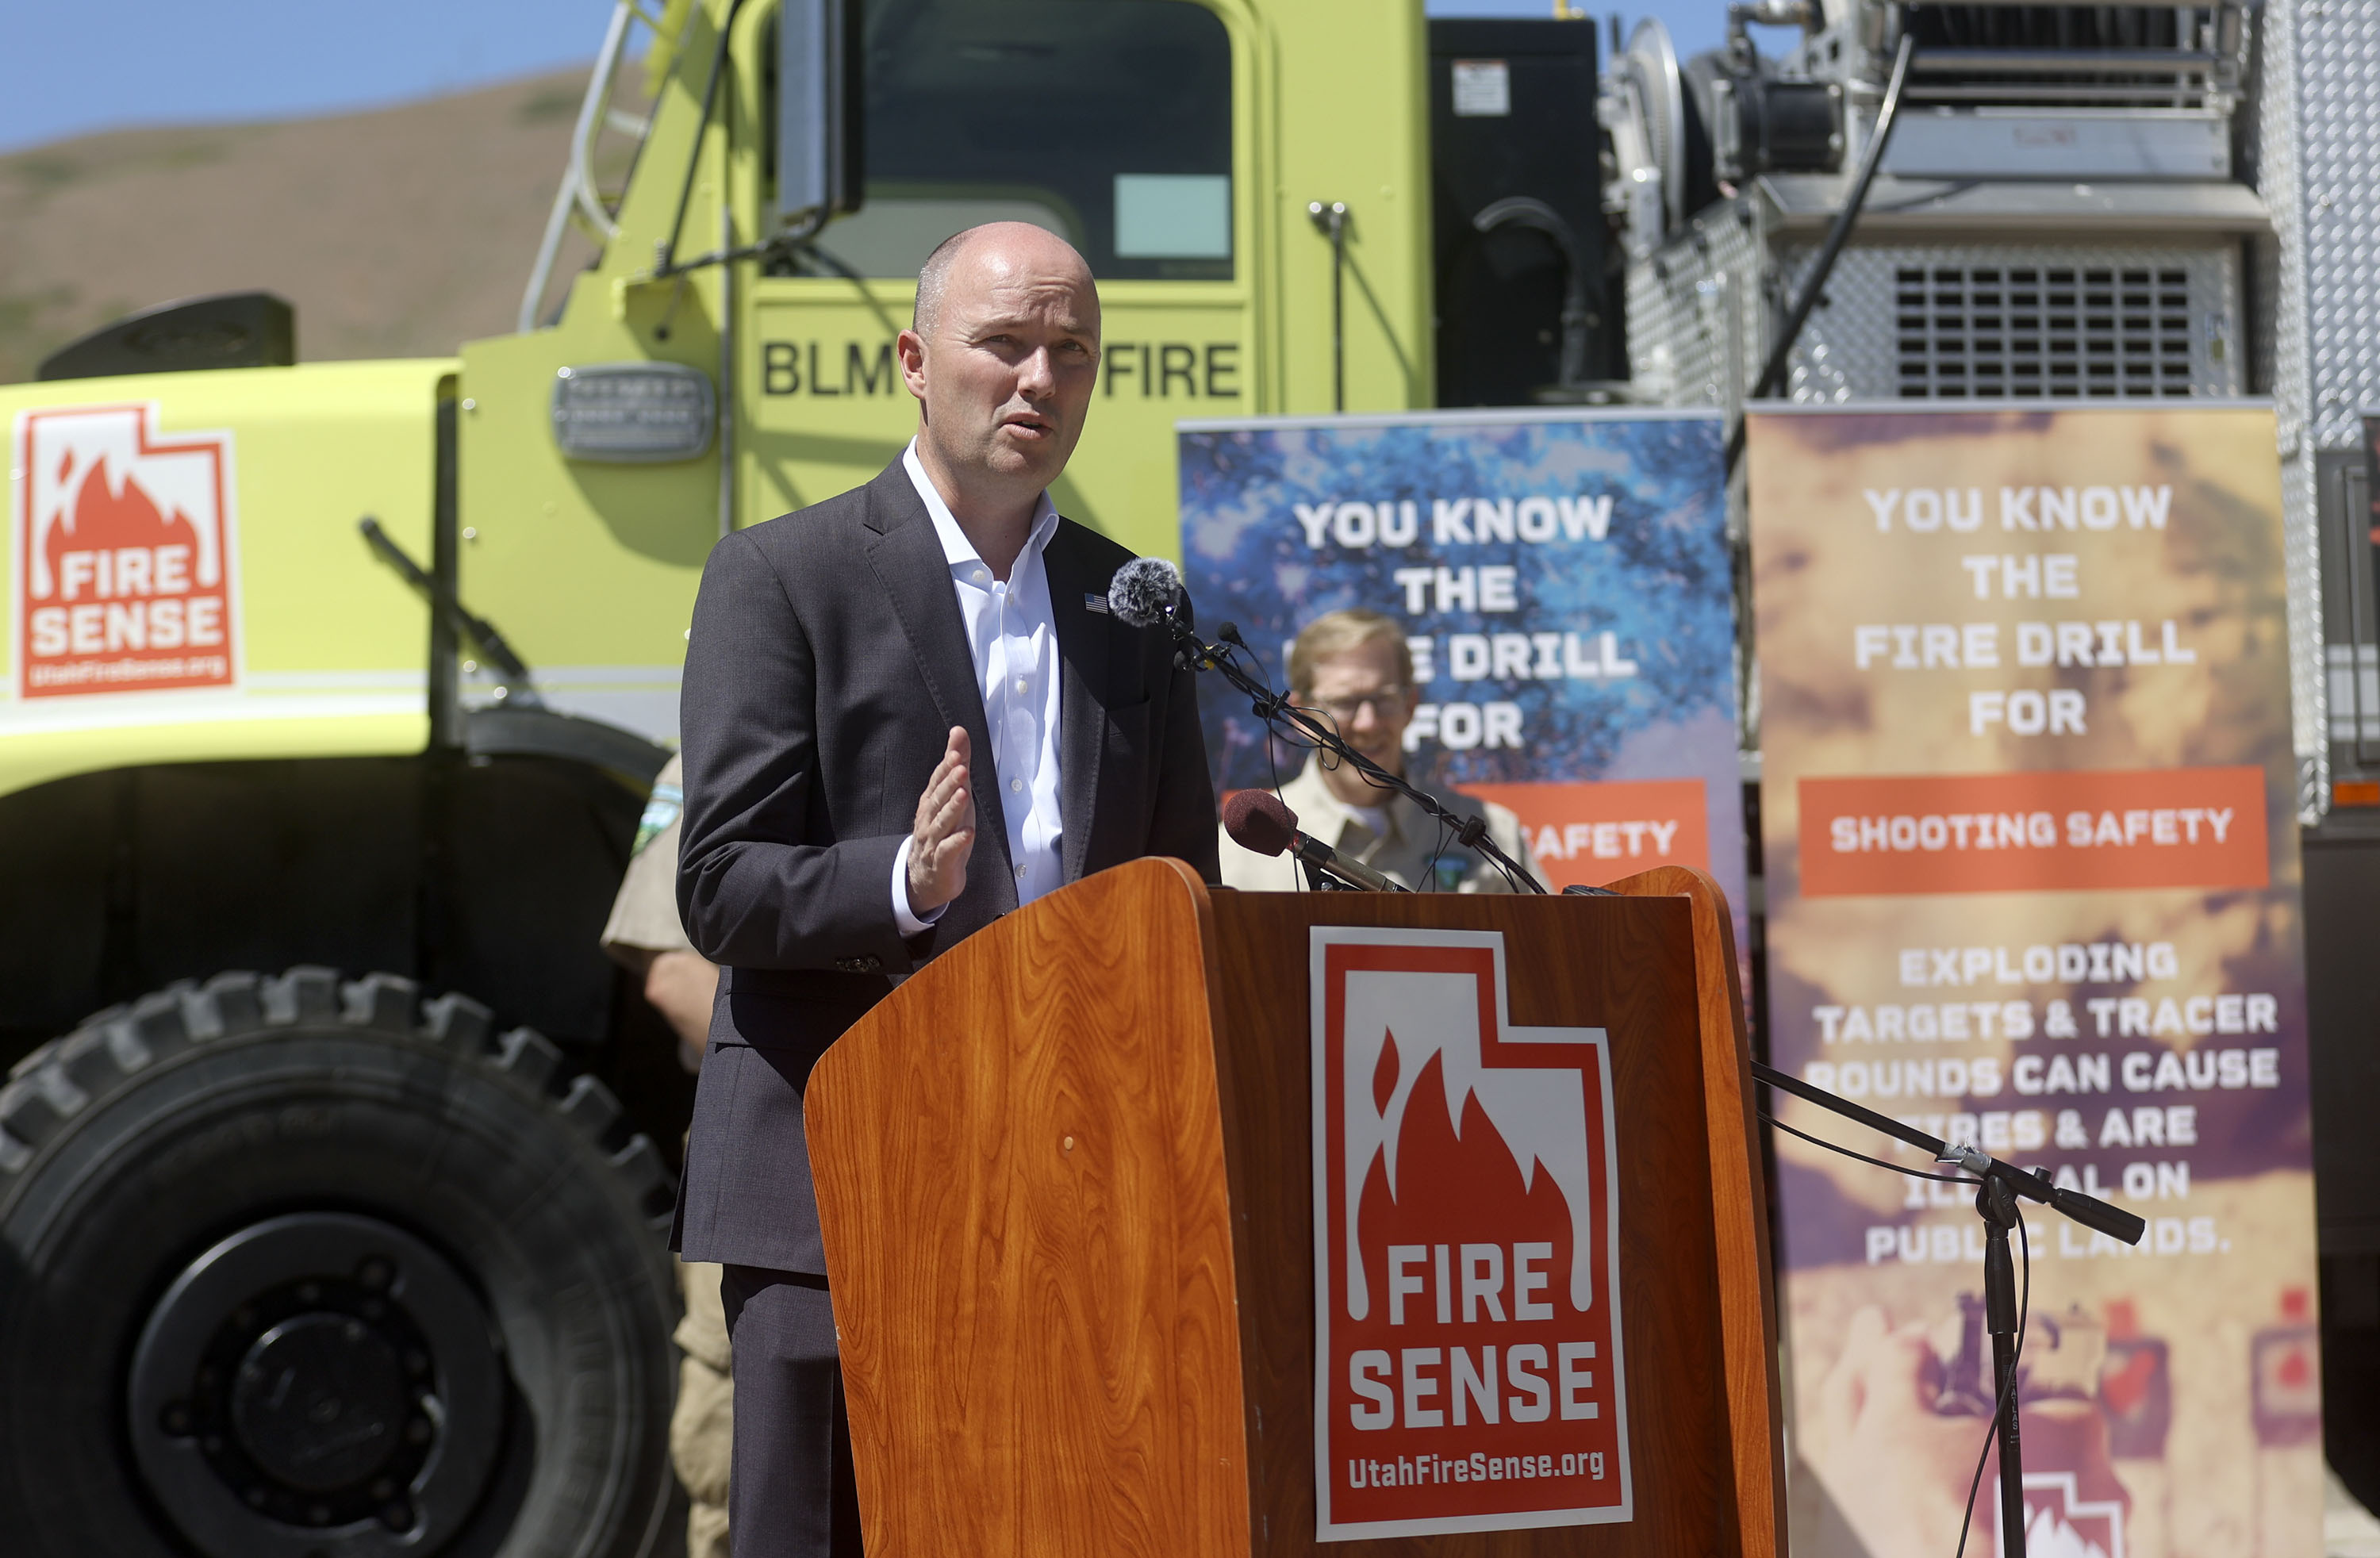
(396, 233)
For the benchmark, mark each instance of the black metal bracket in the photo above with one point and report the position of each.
(515, 688)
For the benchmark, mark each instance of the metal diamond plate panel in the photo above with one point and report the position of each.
(1694, 316)
(2338, 48)
(2302, 103)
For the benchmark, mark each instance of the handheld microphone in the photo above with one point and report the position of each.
(1260, 822)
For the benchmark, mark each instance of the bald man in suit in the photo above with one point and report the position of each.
(905, 712)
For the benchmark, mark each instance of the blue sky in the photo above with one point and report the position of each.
(91, 64)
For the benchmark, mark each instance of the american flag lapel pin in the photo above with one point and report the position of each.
(1093, 601)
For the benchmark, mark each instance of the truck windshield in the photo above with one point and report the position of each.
(1107, 121)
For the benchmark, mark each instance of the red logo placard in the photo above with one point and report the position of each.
(124, 555)
(1467, 1367)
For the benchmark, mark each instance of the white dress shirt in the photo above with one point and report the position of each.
(1013, 642)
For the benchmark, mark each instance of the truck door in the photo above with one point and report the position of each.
(1110, 124)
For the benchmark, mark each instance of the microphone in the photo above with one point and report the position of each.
(1145, 593)
(1260, 822)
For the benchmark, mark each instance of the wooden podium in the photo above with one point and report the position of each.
(1066, 1185)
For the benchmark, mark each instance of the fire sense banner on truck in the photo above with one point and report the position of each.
(2033, 882)
(1562, 581)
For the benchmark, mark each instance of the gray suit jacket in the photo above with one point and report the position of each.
(826, 664)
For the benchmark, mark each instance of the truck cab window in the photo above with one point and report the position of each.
(1106, 121)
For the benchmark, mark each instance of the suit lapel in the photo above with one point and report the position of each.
(907, 558)
(1084, 638)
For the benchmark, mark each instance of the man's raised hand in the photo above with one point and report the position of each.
(944, 834)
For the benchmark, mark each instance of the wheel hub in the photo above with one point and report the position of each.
(319, 1400)
(318, 1382)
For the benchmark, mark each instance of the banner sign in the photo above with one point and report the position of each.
(1466, 1250)
(1564, 582)
(2028, 803)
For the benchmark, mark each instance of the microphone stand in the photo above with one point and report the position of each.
(1277, 711)
(1995, 1200)
(1320, 881)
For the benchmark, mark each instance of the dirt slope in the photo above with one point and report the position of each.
(401, 232)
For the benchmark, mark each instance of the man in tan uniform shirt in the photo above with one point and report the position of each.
(645, 936)
(1353, 667)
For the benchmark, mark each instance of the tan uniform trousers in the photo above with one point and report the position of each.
(644, 923)
(699, 1441)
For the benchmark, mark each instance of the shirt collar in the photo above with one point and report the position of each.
(1321, 814)
(957, 547)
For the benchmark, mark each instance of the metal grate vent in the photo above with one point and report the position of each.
(2048, 331)
(2114, 56)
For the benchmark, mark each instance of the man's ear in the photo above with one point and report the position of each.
(910, 347)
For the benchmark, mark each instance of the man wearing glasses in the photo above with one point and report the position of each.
(1353, 669)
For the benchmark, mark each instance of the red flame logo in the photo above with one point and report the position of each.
(1458, 1186)
(102, 520)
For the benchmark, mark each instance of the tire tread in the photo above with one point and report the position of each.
(381, 1004)
(306, 993)
(49, 1088)
(235, 1004)
(589, 1107)
(457, 1022)
(530, 1057)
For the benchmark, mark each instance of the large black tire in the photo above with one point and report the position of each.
(292, 1266)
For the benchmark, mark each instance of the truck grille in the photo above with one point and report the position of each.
(2006, 322)
(2042, 330)
(2017, 321)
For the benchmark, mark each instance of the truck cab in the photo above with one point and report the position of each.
(1178, 145)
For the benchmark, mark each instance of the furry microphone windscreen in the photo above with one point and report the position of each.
(1142, 591)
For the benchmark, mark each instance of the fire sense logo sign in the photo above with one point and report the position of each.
(2060, 1522)
(1467, 1368)
(124, 555)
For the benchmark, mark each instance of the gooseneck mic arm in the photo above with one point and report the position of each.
(1147, 592)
